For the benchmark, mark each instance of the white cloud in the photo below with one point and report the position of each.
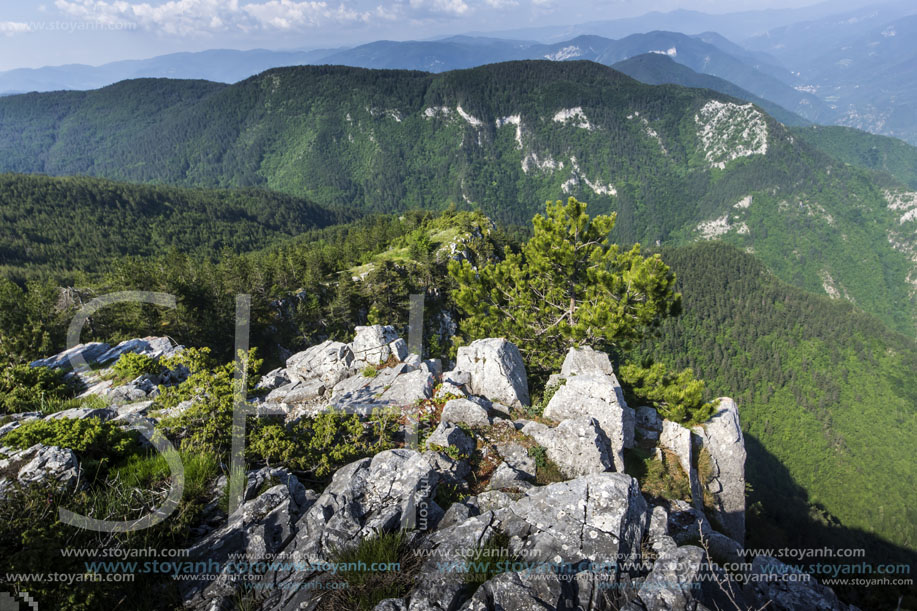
(182, 17)
(501, 4)
(447, 7)
(9, 28)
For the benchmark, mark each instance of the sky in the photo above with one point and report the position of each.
(59, 32)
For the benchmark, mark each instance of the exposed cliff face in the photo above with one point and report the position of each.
(586, 536)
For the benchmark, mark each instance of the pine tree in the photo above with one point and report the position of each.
(567, 286)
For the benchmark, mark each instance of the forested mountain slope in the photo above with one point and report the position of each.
(677, 164)
(823, 388)
(865, 150)
(82, 223)
(660, 69)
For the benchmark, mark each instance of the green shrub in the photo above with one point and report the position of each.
(546, 470)
(658, 478)
(132, 365)
(678, 397)
(90, 438)
(323, 443)
(206, 426)
(33, 389)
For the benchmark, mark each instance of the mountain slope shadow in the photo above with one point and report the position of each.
(780, 515)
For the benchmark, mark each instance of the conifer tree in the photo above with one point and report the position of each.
(567, 286)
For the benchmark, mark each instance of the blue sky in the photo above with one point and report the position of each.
(57, 32)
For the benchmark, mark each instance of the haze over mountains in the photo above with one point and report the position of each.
(860, 75)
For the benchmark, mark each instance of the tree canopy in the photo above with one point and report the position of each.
(568, 285)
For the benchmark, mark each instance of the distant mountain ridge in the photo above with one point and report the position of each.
(678, 165)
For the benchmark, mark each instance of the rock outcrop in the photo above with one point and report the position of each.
(722, 441)
(37, 464)
(592, 541)
(495, 370)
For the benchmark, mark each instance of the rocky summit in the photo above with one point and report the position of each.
(493, 503)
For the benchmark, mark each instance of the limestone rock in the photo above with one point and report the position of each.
(584, 361)
(593, 518)
(330, 362)
(447, 434)
(577, 445)
(680, 581)
(721, 438)
(39, 463)
(496, 371)
(83, 413)
(465, 411)
(598, 396)
(373, 345)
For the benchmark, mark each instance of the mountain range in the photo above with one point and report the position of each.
(860, 74)
(676, 164)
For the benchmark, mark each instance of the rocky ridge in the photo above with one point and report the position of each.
(591, 539)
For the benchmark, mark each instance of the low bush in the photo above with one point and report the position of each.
(132, 365)
(33, 389)
(322, 444)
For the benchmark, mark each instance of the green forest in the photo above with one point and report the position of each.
(331, 195)
(387, 140)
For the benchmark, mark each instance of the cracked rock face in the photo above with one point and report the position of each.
(590, 518)
(596, 396)
(578, 446)
(495, 370)
(681, 581)
(722, 438)
(39, 463)
(330, 362)
(374, 345)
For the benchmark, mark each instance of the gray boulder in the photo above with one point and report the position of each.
(447, 434)
(592, 518)
(330, 362)
(374, 345)
(721, 438)
(495, 370)
(90, 353)
(683, 579)
(509, 478)
(530, 591)
(397, 386)
(597, 396)
(465, 411)
(577, 445)
(585, 360)
(273, 379)
(785, 588)
(262, 527)
(153, 347)
(296, 392)
(38, 463)
(378, 494)
(83, 413)
(517, 456)
(409, 388)
(142, 388)
(448, 389)
(100, 353)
